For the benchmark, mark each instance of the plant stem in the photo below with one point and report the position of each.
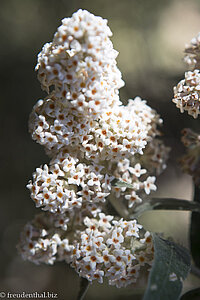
(194, 230)
(84, 285)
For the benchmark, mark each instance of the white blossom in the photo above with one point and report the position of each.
(57, 190)
(192, 57)
(81, 64)
(119, 262)
(187, 94)
(137, 177)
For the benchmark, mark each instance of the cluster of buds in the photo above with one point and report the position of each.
(187, 98)
(192, 57)
(91, 138)
(187, 92)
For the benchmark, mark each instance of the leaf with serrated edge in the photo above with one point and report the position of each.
(170, 267)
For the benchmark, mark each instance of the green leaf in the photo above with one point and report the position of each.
(194, 231)
(84, 285)
(170, 267)
(121, 183)
(192, 295)
(166, 204)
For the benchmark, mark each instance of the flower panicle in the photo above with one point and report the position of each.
(91, 138)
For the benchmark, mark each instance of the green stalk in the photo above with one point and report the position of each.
(195, 230)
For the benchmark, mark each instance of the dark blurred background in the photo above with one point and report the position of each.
(150, 36)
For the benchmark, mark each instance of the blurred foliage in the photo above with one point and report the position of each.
(150, 36)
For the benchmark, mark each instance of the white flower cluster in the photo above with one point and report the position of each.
(38, 240)
(54, 126)
(96, 138)
(84, 109)
(69, 184)
(89, 136)
(187, 93)
(80, 65)
(192, 57)
(118, 132)
(140, 183)
(118, 250)
(190, 162)
(137, 172)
